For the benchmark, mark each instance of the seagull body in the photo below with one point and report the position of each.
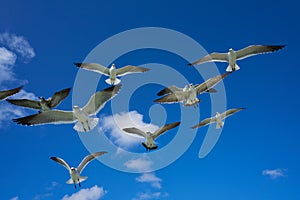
(188, 95)
(43, 104)
(112, 72)
(75, 172)
(150, 137)
(7, 93)
(232, 56)
(82, 117)
(218, 118)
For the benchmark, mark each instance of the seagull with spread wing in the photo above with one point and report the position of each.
(43, 104)
(7, 93)
(218, 118)
(82, 117)
(150, 137)
(188, 95)
(232, 56)
(112, 72)
(75, 172)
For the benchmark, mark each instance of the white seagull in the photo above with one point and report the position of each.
(150, 137)
(43, 104)
(112, 72)
(218, 118)
(188, 94)
(232, 56)
(75, 172)
(82, 117)
(7, 93)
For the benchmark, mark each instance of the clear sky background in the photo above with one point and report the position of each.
(258, 154)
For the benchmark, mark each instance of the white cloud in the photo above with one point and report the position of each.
(139, 164)
(7, 61)
(115, 123)
(15, 198)
(150, 195)
(151, 179)
(274, 173)
(52, 185)
(42, 196)
(93, 193)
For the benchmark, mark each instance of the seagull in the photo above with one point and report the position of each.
(112, 72)
(82, 117)
(43, 104)
(188, 94)
(150, 137)
(7, 93)
(75, 172)
(233, 55)
(218, 118)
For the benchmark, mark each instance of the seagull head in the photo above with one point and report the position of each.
(42, 98)
(113, 66)
(217, 114)
(76, 107)
(231, 50)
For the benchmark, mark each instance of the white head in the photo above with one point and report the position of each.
(231, 50)
(76, 108)
(218, 114)
(113, 66)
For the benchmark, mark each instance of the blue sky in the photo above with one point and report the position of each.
(257, 155)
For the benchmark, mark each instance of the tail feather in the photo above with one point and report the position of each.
(92, 123)
(220, 125)
(81, 179)
(231, 68)
(115, 82)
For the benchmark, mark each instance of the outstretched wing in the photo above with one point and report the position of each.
(170, 89)
(210, 83)
(129, 69)
(58, 97)
(220, 57)
(99, 99)
(47, 117)
(205, 122)
(177, 96)
(25, 103)
(257, 49)
(136, 131)
(230, 112)
(6, 93)
(88, 159)
(62, 162)
(164, 128)
(94, 67)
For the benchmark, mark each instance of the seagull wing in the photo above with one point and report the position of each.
(129, 69)
(25, 103)
(6, 93)
(220, 57)
(99, 99)
(170, 89)
(177, 96)
(207, 85)
(88, 159)
(94, 67)
(136, 131)
(58, 97)
(47, 117)
(164, 128)
(205, 122)
(256, 49)
(62, 162)
(230, 112)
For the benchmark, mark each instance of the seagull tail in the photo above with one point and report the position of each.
(115, 82)
(231, 68)
(220, 125)
(81, 179)
(91, 124)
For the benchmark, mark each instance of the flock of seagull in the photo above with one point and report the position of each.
(85, 117)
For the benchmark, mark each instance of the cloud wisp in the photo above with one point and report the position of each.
(93, 193)
(150, 195)
(150, 178)
(139, 164)
(274, 173)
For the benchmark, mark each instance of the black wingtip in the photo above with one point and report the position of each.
(190, 64)
(77, 64)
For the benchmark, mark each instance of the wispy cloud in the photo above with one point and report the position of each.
(15, 198)
(274, 173)
(150, 195)
(139, 164)
(150, 178)
(115, 123)
(7, 62)
(93, 193)
(42, 196)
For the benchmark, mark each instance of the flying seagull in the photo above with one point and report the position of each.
(112, 72)
(7, 93)
(218, 118)
(150, 137)
(233, 55)
(75, 172)
(188, 94)
(82, 117)
(43, 104)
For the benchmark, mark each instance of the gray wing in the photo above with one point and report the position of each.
(178, 96)
(220, 57)
(58, 97)
(88, 159)
(205, 122)
(164, 128)
(6, 93)
(25, 103)
(136, 131)
(47, 117)
(230, 112)
(62, 162)
(207, 85)
(94, 67)
(170, 89)
(256, 49)
(129, 69)
(99, 99)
